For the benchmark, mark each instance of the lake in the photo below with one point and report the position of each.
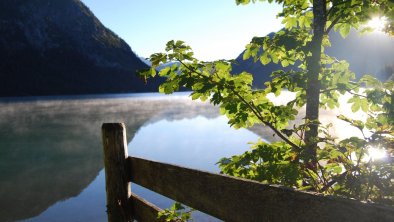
(51, 162)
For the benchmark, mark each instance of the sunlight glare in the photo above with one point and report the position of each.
(375, 154)
(377, 23)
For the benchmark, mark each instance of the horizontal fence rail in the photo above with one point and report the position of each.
(234, 199)
(227, 198)
(143, 210)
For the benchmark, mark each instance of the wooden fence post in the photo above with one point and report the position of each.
(116, 173)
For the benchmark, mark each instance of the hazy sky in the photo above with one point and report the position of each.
(215, 29)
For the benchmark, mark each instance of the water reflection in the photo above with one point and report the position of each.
(89, 205)
(197, 143)
(50, 149)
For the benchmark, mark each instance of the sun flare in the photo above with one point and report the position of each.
(372, 154)
(375, 154)
(377, 23)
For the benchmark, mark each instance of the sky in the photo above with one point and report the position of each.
(215, 29)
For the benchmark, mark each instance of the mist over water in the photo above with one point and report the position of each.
(51, 151)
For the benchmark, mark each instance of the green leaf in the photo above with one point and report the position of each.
(290, 22)
(364, 105)
(334, 167)
(284, 63)
(344, 30)
(246, 54)
(371, 81)
(275, 58)
(153, 72)
(165, 71)
(244, 2)
(264, 59)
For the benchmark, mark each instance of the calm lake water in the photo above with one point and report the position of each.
(51, 166)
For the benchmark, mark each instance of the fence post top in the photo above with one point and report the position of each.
(113, 126)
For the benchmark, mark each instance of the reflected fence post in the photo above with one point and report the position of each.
(116, 173)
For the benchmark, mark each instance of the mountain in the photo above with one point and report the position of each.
(59, 47)
(367, 54)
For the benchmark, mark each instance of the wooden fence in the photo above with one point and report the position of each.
(227, 198)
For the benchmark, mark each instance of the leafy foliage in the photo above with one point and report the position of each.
(177, 212)
(308, 157)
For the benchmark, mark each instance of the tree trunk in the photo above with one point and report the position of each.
(313, 83)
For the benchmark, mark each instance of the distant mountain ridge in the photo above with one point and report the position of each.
(59, 47)
(367, 54)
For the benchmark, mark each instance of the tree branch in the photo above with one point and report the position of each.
(333, 181)
(335, 21)
(265, 122)
(251, 107)
(337, 88)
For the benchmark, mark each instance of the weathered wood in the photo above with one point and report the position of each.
(116, 182)
(233, 199)
(144, 211)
